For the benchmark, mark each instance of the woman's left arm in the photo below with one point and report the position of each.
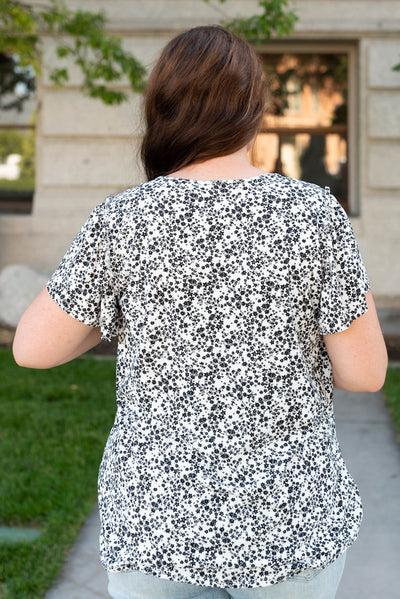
(46, 336)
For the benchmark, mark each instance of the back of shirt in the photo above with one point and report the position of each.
(223, 466)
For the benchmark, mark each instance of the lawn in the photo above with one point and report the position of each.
(54, 424)
(392, 394)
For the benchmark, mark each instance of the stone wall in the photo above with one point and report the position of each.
(86, 150)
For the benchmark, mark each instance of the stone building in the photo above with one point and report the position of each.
(86, 150)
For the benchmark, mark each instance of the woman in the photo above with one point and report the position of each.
(239, 299)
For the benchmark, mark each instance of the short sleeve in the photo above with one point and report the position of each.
(83, 283)
(345, 280)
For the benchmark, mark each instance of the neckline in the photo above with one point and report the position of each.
(256, 177)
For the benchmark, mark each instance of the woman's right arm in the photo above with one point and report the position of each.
(358, 354)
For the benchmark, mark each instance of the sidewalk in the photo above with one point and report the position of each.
(372, 453)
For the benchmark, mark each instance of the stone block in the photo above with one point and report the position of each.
(69, 112)
(384, 114)
(315, 15)
(383, 165)
(381, 244)
(347, 16)
(148, 48)
(19, 285)
(103, 162)
(382, 56)
(12, 226)
(55, 202)
(37, 242)
(155, 15)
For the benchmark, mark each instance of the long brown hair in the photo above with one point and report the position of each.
(204, 98)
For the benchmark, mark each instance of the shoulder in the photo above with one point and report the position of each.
(300, 200)
(135, 196)
(296, 188)
(129, 204)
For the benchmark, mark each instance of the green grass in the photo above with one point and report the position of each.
(54, 424)
(17, 184)
(391, 391)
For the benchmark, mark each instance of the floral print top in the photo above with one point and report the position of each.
(222, 467)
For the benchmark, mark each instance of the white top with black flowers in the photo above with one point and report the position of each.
(222, 467)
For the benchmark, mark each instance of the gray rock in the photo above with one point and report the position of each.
(19, 285)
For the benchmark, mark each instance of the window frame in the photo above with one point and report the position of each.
(353, 127)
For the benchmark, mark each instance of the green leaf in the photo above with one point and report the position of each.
(63, 51)
(59, 76)
(275, 19)
(98, 54)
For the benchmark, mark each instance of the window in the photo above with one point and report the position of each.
(17, 136)
(306, 132)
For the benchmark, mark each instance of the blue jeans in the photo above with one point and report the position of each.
(309, 584)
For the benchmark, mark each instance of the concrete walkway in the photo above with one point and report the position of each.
(372, 453)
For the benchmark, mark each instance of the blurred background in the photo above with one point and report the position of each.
(71, 76)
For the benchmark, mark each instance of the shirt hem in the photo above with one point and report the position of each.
(201, 578)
